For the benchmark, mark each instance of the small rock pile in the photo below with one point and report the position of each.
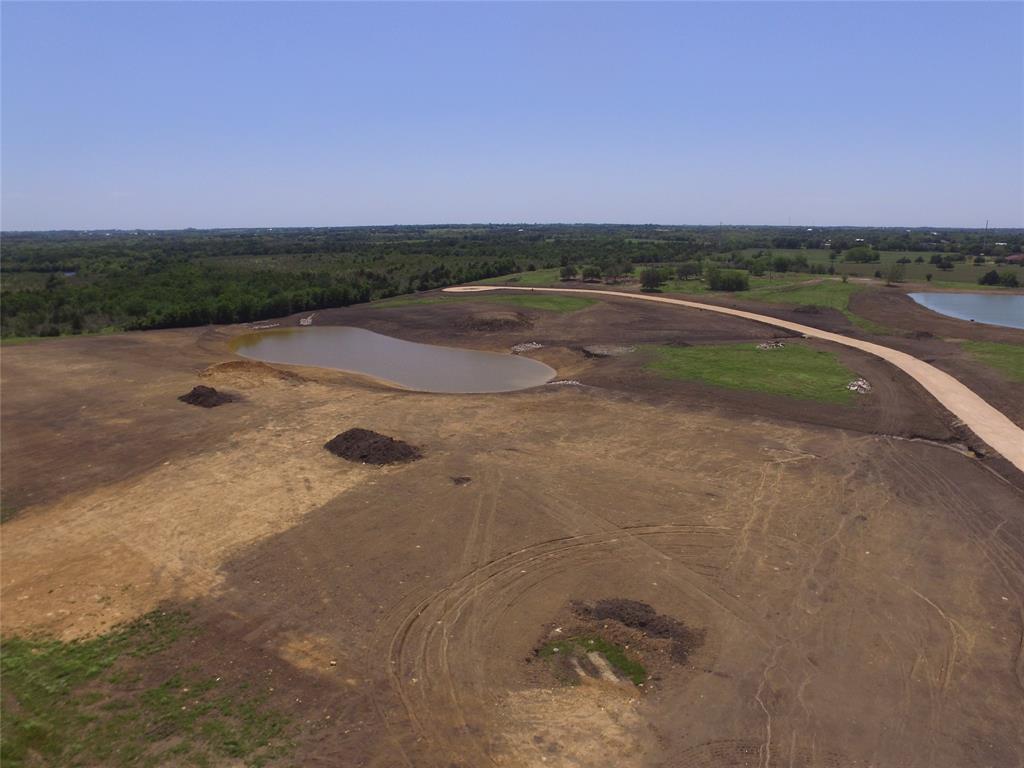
(526, 346)
(860, 386)
(771, 345)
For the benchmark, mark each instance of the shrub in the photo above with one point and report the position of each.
(568, 272)
(651, 279)
(688, 269)
(862, 254)
(591, 273)
(726, 279)
(989, 278)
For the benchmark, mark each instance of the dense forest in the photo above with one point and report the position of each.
(75, 282)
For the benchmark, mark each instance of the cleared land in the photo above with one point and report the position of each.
(852, 576)
(988, 423)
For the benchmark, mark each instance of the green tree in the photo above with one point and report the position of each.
(651, 279)
(862, 254)
(894, 273)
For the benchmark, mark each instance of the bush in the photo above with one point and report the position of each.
(989, 278)
(568, 272)
(894, 273)
(591, 273)
(862, 254)
(688, 269)
(727, 279)
(651, 279)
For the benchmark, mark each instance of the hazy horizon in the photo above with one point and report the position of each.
(442, 224)
(254, 115)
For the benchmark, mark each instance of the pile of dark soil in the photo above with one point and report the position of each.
(461, 480)
(641, 616)
(369, 447)
(206, 397)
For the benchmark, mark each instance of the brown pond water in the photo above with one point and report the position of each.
(422, 367)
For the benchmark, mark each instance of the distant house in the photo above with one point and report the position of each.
(1015, 258)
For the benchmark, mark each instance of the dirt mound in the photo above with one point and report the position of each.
(495, 321)
(250, 372)
(369, 447)
(637, 615)
(206, 397)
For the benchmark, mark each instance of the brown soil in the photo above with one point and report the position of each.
(250, 373)
(206, 397)
(860, 590)
(368, 447)
(494, 321)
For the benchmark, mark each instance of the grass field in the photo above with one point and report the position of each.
(536, 278)
(962, 272)
(77, 704)
(829, 293)
(1007, 358)
(550, 303)
(758, 285)
(794, 371)
(833, 294)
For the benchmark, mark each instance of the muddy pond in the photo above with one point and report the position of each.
(421, 367)
(996, 309)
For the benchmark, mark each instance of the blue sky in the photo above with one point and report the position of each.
(236, 114)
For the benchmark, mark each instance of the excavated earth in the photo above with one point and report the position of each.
(809, 584)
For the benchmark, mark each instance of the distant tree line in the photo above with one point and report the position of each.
(73, 282)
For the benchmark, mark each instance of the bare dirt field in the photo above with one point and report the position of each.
(854, 574)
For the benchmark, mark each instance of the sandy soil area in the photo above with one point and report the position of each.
(858, 575)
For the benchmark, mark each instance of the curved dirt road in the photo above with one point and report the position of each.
(985, 421)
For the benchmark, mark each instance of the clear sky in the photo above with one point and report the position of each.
(235, 114)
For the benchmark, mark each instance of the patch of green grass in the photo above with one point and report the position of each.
(536, 278)
(551, 303)
(615, 654)
(1008, 358)
(409, 301)
(82, 703)
(795, 371)
(757, 285)
(832, 294)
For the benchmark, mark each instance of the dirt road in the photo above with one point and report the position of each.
(985, 421)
